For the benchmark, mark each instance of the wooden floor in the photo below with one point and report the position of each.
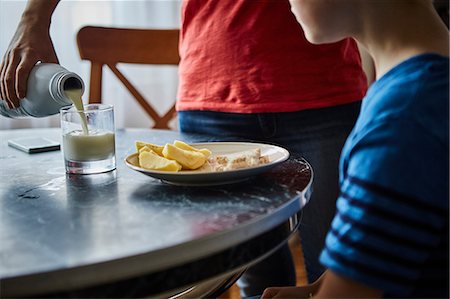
(296, 249)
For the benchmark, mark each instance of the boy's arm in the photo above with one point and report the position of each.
(31, 43)
(329, 285)
(294, 292)
(337, 286)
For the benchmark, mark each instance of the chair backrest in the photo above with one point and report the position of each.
(109, 46)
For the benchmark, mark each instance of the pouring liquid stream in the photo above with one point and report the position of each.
(75, 96)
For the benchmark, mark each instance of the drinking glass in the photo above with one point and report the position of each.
(91, 151)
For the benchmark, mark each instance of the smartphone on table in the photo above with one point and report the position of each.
(33, 145)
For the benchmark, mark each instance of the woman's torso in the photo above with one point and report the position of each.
(251, 56)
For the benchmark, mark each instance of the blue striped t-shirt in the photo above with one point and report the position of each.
(391, 228)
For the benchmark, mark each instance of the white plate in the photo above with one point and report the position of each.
(276, 155)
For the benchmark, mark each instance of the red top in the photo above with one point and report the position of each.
(251, 56)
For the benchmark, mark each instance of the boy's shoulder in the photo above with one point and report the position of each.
(425, 75)
(417, 90)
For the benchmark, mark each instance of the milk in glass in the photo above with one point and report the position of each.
(91, 149)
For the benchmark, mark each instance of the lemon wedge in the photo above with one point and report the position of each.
(185, 146)
(148, 159)
(188, 159)
(154, 147)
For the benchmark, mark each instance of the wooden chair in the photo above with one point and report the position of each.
(110, 46)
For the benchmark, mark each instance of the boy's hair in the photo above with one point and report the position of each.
(442, 8)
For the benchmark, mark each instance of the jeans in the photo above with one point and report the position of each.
(318, 135)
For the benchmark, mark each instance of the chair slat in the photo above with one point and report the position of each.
(109, 46)
(114, 45)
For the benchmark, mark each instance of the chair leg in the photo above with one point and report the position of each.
(95, 92)
(297, 253)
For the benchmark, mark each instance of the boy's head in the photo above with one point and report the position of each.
(327, 21)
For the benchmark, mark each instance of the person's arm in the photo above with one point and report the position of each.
(329, 285)
(31, 43)
(337, 286)
(294, 292)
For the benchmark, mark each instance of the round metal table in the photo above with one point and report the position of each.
(96, 235)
